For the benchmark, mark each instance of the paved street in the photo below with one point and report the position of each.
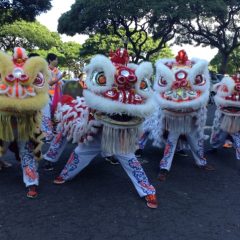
(101, 203)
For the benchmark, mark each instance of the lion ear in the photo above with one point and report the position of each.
(34, 65)
(216, 87)
(6, 64)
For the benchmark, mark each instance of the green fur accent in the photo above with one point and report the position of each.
(19, 126)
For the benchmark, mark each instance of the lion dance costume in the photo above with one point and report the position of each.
(227, 115)
(23, 93)
(107, 119)
(182, 92)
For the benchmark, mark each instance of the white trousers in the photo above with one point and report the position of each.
(84, 154)
(196, 146)
(28, 163)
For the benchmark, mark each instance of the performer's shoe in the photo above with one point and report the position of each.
(48, 166)
(206, 167)
(112, 160)
(139, 153)
(162, 176)
(32, 191)
(151, 200)
(59, 180)
(181, 153)
(227, 145)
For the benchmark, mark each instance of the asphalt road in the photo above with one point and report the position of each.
(101, 203)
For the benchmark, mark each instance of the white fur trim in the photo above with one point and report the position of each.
(112, 107)
(220, 101)
(162, 71)
(100, 63)
(230, 84)
(199, 68)
(132, 66)
(144, 72)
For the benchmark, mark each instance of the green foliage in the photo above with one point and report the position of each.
(102, 44)
(11, 11)
(35, 37)
(68, 55)
(71, 52)
(164, 53)
(213, 23)
(30, 35)
(233, 64)
(138, 19)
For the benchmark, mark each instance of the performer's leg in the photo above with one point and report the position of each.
(56, 148)
(197, 148)
(236, 141)
(169, 151)
(29, 164)
(136, 173)
(29, 168)
(46, 125)
(141, 144)
(218, 138)
(82, 155)
(138, 177)
(143, 140)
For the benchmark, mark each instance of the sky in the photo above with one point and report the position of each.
(50, 20)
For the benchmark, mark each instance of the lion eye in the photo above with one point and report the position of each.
(199, 80)
(99, 78)
(39, 81)
(237, 87)
(162, 82)
(143, 85)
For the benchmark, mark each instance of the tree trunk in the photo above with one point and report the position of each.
(224, 62)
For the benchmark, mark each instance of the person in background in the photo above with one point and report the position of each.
(56, 83)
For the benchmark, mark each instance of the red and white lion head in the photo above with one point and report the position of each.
(115, 88)
(182, 84)
(227, 96)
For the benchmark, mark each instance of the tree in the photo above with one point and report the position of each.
(216, 23)
(68, 55)
(137, 18)
(233, 64)
(102, 44)
(30, 35)
(11, 10)
(71, 53)
(35, 37)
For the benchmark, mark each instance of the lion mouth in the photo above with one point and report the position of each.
(118, 119)
(17, 91)
(180, 95)
(121, 117)
(124, 96)
(231, 109)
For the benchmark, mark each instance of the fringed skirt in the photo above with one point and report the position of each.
(179, 123)
(230, 124)
(119, 139)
